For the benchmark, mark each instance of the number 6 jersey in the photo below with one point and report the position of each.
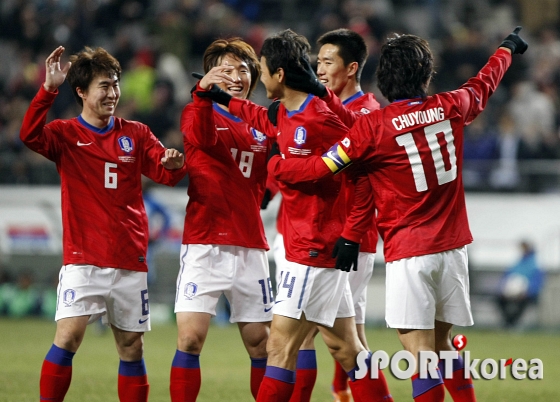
(226, 161)
(103, 217)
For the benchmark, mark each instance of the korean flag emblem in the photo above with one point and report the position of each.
(257, 135)
(126, 144)
(300, 136)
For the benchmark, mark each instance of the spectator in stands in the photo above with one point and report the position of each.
(520, 286)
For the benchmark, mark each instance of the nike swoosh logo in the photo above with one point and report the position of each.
(332, 156)
(222, 128)
(141, 321)
(82, 144)
(266, 310)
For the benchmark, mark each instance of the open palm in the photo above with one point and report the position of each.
(55, 75)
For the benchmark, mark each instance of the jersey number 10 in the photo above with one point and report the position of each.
(433, 133)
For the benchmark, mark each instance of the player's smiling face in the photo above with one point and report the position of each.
(331, 70)
(241, 74)
(102, 96)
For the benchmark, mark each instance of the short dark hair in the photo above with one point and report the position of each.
(405, 68)
(88, 64)
(240, 50)
(351, 47)
(284, 50)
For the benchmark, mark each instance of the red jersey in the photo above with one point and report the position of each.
(414, 148)
(355, 106)
(312, 221)
(226, 161)
(103, 217)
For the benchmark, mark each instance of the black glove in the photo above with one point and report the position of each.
(215, 93)
(273, 112)
(266, 198)
(303, 78)
(514, 42)
(346, 253)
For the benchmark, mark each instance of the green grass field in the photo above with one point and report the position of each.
(225, 364)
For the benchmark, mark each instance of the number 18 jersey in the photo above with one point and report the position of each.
(226, 161)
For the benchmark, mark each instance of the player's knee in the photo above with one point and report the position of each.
(190, 342)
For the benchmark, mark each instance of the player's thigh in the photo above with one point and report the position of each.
(70, 332)
(411, 291)
(359, 281)
(192, 329)
(128, 303)
(453, 298)
(130, 345)
(206, 272)
(251, 295)
(317, 292)
(82, 291)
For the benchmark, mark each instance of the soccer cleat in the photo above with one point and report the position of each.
(342, 396)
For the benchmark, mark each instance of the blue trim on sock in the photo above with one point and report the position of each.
(132, 369)
(186, 360)
(352, 373)
(280, 374)
(458, 364)
(259, 363)
(307, 360)
(59, 356)
(422, 385)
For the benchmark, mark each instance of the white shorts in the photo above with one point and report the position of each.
(279, 253)
(240, 273)
(119, 296)
(420, 290)
(323, 294)
(358, 281)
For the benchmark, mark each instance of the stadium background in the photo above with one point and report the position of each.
(512, 165)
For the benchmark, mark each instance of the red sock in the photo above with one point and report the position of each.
(185, 381)
(55, 381)
(340, 379)
(133, 382)
(370, 389)
(460, 388)
(56, 374)
(258, 367)
(427, 389)
(306, 375)
(277, 385)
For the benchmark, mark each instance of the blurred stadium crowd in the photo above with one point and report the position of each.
(513, 146)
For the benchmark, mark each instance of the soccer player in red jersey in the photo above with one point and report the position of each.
(414, 149)
(310, 292)
(224, 245)
(101, 160)
(341, 59)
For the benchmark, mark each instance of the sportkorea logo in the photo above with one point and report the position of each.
(126, 144)
(427, 364)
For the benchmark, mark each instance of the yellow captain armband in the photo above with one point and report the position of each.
(336, 159)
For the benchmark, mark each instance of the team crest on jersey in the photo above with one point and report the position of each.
(68, 297)
(300, 135)
(346, 142)
(126, 144)
(190, 290)
(257, 135)
(364, 111)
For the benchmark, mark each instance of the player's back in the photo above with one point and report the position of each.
(416, 179)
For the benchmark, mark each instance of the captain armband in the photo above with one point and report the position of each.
(336, 159)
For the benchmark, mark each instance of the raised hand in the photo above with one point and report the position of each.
(514, 42)
(173, 159)
(55, 75)
(209, 83)
(303, 78)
